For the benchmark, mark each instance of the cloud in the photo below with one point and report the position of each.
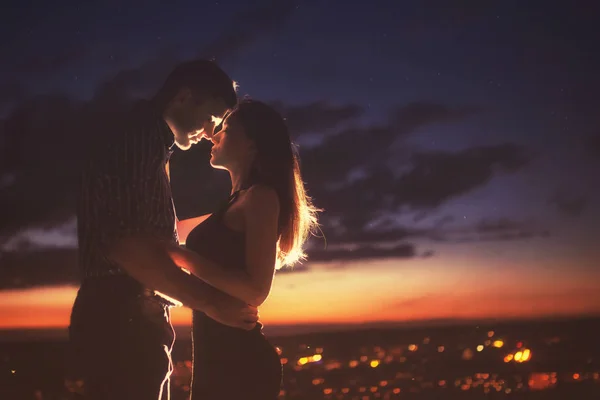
(406, 119)
(61, 57)
(430, 179)
(246, 26)
(41, 238)
(38, 268)
(592, 145)
(367, 252)
(569, 204)
(11, 93)
(487, 229)
(41, 157)
(360, 145)
(438, 176)
(318, 116)
(363, 176)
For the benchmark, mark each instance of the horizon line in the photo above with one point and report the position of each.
(281, 330)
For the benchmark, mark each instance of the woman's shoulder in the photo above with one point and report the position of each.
(260, 197)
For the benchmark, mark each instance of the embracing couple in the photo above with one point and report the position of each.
(134, 269)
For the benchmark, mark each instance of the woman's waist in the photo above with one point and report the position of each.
(209, 329)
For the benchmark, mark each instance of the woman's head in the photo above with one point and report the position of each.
(255, 142)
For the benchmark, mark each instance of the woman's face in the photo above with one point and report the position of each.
(231, 146)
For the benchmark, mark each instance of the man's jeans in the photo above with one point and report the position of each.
(121, 341)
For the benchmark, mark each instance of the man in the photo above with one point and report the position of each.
(121, 330)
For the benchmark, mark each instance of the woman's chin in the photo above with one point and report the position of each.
(215, 163)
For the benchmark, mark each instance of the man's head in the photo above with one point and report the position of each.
(193, 96)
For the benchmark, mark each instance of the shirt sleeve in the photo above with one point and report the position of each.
(130, 184)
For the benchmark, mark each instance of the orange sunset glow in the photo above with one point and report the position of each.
(389, 290)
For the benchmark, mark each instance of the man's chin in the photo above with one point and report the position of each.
(183, 146)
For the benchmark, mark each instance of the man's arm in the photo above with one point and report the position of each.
(129, 185)
(146, 261)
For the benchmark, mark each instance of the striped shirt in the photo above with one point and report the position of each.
(125, 190)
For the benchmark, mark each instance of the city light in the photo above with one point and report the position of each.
(385, 371)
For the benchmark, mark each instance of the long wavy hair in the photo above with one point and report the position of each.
(276, 164)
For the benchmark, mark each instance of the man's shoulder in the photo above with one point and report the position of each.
(131, 127)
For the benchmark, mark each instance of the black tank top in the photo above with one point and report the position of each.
(225, 247)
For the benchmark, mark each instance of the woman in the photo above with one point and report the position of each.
(237, 249)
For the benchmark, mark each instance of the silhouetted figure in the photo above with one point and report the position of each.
(262, 226)
(121, 332)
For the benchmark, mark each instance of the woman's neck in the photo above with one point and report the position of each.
(239, 178)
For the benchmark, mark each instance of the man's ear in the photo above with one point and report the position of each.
(183, 95)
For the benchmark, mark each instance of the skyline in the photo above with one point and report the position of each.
(453, 149)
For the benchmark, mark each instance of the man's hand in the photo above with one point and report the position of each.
(234, 313)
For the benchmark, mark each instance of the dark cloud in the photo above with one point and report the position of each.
(42, 63)
(405, 250)
(28, 269)
(428, 253)
(430, 179)
(318, 116)
(488, 230)
(438, 176)
(365, 237)
(246, 26)
(569, 204)
(358, 146)
(11, 93)
(360, 174)
(41, 151)
(408, 118)
(592, 145)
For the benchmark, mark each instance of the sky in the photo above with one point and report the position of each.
(452, 148)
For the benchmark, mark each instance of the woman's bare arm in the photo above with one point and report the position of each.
(261, 214)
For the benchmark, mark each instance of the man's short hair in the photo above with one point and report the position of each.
(204, 78)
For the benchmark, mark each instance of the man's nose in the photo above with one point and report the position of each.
(209, 128)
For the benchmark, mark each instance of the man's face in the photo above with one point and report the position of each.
(194, 118)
